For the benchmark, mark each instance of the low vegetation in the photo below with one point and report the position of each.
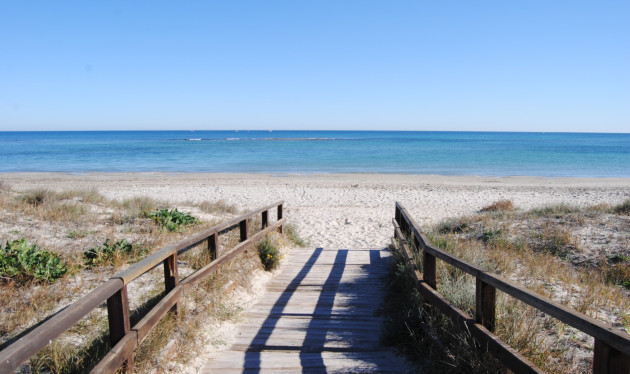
(115, 233)
(172, 220)
(269, 251)
(292, 233)
(554, 250)
(22, 262)
(115, 253)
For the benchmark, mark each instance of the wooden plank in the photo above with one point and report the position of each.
(21, 350)
(599, 330)
(312, 311)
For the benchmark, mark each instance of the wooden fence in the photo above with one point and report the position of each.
(612, 347)
(123, 337)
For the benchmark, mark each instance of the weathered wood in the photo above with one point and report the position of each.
(485, 296)
(429, 273)
(320, 315)
(114, 292)
(264, 219)
(607, 360)
(171, 277)
(118, 315)
(213, 246)
(21, 350)
(243, 229)
(599, 330)
(279, 217)
(511, 358)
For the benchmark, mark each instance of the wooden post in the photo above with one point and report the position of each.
(485, 301)
(428, 269)
(280, 228)
(171, 276)
(243, 228)
(265, 223)
(213, 246)
(118, 315)
(607, 360)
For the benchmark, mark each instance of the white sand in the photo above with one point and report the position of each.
(341, 210)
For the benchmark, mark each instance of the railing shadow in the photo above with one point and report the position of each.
(328, 330)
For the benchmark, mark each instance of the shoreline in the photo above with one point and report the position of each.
(515, 179)
(340, 210)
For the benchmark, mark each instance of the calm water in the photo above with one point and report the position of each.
(446, 153)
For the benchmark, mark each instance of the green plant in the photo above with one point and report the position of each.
(291, 232)
(22, 262)
(269, 253)
(172, 220)
(491, 236)
(108, 252)
(623, 208)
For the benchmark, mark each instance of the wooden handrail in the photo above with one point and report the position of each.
(123, 338)
(612, 347)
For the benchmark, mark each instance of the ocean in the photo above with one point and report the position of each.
(589, 155)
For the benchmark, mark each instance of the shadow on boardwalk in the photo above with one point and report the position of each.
(319, 315)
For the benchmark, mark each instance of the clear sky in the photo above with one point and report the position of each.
(344, 64)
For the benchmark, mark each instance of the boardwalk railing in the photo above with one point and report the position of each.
(123, 337)
(612, 347)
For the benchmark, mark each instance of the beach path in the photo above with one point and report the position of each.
(322, 313)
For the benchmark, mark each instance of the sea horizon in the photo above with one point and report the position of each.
(465, 153)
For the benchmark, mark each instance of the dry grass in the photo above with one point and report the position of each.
(69, 223)
(534, 249)
(497, 206)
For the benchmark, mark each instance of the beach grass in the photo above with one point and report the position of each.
(539, 249)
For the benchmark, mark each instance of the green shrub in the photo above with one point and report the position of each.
(108, 253)
(172, 220)
(623, 208)
(269, 252)
(22, 262)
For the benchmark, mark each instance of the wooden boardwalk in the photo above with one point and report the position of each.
(321, 314)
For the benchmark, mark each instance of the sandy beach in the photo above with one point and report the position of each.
(341, 210)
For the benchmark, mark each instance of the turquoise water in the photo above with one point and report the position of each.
(280, 152)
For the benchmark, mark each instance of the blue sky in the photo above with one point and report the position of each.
(371, 65)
